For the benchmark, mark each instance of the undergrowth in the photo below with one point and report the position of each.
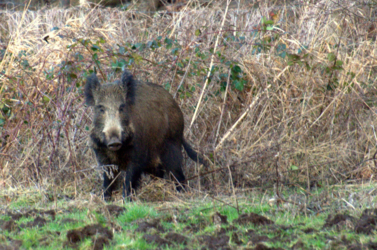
(271, 93)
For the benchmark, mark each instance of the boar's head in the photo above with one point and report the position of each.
(111, 104)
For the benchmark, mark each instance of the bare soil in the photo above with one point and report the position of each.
(100, 236)
(228, 235)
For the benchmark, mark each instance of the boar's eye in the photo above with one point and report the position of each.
(122, 108)
(101, 109)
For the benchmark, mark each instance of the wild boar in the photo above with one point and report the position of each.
(138, 127)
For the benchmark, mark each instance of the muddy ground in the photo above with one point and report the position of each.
(248, 231)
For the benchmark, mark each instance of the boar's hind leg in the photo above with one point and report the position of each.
(172, 161)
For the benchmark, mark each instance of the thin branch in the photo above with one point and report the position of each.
(230, 131)
(210, 66)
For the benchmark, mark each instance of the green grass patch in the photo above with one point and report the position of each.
(192, 225)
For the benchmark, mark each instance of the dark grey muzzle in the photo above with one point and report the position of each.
(114, 144)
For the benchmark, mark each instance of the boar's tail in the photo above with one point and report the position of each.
(193, 154)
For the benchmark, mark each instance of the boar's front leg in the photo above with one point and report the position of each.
(109, 182)
(133, 173)
(110, 172)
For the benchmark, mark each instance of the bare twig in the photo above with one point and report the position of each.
(210, 65)
(222, 108)
(230, 131)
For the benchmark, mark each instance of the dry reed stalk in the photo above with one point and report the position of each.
(211, 64)
(231, 129)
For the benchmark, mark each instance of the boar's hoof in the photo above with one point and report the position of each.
(114, 144)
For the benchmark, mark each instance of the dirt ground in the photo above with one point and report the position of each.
(228, 235)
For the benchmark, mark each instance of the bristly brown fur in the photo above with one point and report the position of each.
(138, 127)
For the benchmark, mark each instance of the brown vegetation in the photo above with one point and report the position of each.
(307, 118)
(142, 5)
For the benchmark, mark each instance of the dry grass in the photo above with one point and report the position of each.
(321, 125)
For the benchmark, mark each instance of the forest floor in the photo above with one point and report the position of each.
(323, 220)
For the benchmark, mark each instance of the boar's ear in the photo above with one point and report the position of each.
(129, 85)
(91, 86)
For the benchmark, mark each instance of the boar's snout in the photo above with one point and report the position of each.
(114, 144)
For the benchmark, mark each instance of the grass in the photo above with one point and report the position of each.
(135, 212)
(194, 220)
